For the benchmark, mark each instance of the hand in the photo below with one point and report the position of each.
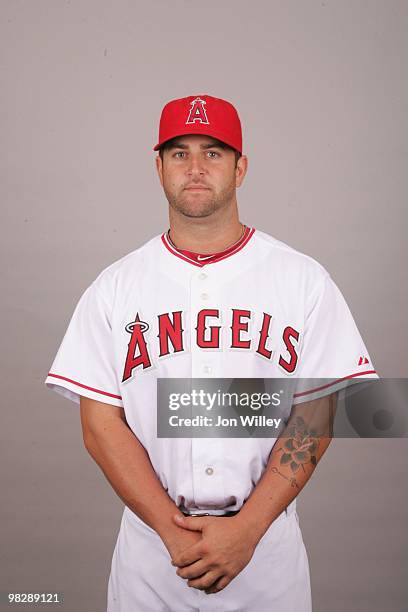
(224, 549)
(182, 539)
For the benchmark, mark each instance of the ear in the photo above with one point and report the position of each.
(241, 170)
(159, 167)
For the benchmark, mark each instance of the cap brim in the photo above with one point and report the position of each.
(223, 138)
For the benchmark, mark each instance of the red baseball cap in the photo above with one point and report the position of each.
(201, 115)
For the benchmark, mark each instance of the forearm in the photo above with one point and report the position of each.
(127, 467)
(292, 461)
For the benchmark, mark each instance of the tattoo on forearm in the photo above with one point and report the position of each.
(292, 480)
(298, 449)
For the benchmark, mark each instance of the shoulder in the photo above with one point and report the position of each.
(286, 260)
(125, 267)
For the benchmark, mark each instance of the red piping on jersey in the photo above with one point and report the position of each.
(250, 232)
(333, 383)
(85, 386)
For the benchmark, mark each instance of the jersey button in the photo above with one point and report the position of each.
(207, 369)
(202, 276)
(209, 471)
(204, 296)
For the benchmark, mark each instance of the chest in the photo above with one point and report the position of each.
(234, 322)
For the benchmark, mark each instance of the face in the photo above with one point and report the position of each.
(198, 176)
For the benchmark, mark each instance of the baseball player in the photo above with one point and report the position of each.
(208, 523)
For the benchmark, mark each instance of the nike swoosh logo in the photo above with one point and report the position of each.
(201, 257)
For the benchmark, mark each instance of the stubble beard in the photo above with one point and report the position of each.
(200, 206)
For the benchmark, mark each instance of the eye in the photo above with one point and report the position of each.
(213, 153)
(178, 153)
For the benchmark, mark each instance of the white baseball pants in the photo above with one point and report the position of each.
(276, 579)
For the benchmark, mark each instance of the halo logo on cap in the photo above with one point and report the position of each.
(200, 114)
(197, 112)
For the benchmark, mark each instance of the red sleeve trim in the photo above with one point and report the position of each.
(85, 386)
(335, 382)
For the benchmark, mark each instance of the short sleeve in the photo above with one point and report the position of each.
(84, 363)
(332, 353)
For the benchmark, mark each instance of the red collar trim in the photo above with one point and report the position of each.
(215, 257)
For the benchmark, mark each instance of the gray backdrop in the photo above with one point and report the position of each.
(321, 91)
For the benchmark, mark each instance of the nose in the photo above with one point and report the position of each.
(195, 166)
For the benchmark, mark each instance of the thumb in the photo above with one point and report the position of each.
(193, 523)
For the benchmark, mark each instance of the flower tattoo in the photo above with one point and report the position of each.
(298, 449)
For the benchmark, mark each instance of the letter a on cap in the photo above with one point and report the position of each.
(197, 112)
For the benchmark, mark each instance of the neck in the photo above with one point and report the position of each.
(207, 234)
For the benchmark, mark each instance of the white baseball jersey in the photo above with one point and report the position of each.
(259, 309)
(263, 310)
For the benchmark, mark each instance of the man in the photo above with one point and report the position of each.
(210, 298)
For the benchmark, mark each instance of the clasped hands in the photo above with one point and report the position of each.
(221, 551)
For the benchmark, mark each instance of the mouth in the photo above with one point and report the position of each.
(196, 188)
